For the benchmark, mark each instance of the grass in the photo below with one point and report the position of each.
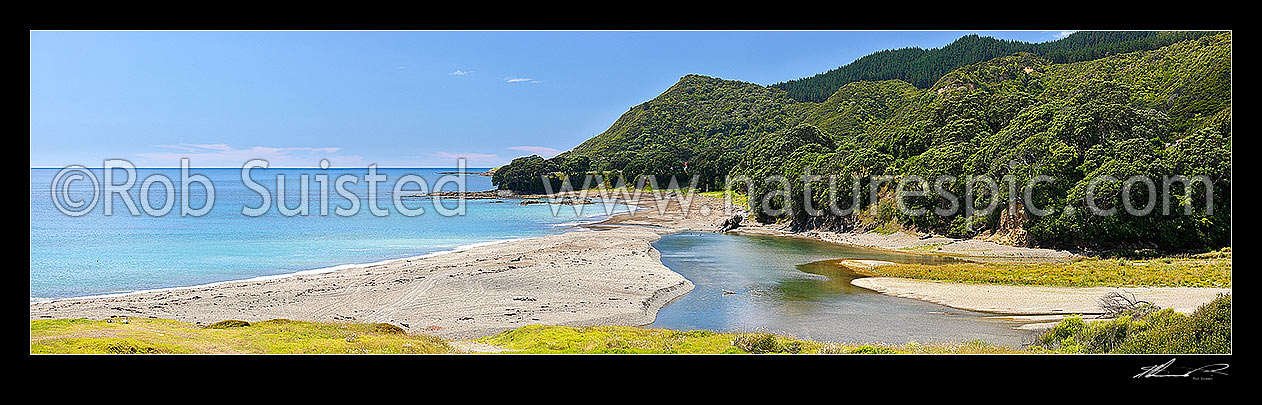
(274, 336)
(626, 339)
(160, 336)
(1204, 270)
(738, 199)
(1142, 330)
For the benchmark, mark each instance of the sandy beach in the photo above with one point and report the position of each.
(1033, 300)
(603, 274)
(606, 273)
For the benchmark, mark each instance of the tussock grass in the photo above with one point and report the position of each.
(1203, 270)
(231, 323)
(626, 339)
(275, 336)
(1206, 331)
(738, 199)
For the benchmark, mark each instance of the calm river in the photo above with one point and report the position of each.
(792, 286)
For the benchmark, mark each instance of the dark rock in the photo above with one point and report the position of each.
(730, 223)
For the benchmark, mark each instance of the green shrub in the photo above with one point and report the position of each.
(871, 350)
(231, 323)
(130, 347)
(1145, 330)
(698, 333)
(388, 329)
(760, 343)
(1207, 330)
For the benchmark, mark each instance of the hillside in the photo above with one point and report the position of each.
(922, 67)
(858, 107)
(1156, 112)
(1150, 113)
(696, 113)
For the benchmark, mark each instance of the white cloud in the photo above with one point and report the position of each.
(543, 151)
(467, 155)
(213, 146)
(1063, 34)
(459, 72)
(223, 155)
(520, 80)
(472, 159)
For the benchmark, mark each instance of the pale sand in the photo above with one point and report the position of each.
(864, 263)
(610, 276)
(1033, 300)
(939, 245)
(973, 249)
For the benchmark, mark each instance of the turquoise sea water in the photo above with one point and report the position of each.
(97, 254)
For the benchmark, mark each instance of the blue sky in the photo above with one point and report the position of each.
(397, 99)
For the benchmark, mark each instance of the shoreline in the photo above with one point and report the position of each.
(455, 294)
(609, 220)
(1024, 300)
(602, 272)
(572, 291)
(308, 272)
(578, 223)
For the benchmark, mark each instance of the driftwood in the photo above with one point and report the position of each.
(1116, 303)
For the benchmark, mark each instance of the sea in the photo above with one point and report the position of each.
(77, 250)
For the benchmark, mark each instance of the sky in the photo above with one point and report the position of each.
(395, 99)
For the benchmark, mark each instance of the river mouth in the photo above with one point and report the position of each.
(794, 286)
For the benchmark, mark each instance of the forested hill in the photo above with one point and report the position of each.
(696, 113)
(922, 67)
(1165, 111)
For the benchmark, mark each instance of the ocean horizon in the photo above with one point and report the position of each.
(95, 254)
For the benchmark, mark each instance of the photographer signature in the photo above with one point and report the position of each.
(1161, 369)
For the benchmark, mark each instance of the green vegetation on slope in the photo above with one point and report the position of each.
(922, 67)
(1025, 117)
(700, 123)
(1163, 112)
(855, 108)
(696, 113)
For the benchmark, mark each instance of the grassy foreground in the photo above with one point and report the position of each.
(1140, 329)
(1211, 269)
(140, 336)
(626, 339)
(135, 335)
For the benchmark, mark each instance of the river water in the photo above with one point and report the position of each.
(793, 286)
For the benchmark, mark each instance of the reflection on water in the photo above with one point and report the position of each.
(794, 286)
(836, 281)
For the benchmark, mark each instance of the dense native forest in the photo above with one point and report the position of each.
(1081, 110)
(923, 67)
